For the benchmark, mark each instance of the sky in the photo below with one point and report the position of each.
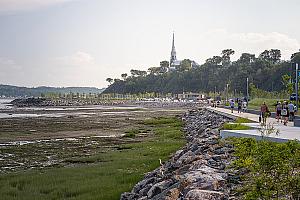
(82, 42)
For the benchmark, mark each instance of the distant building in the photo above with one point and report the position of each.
(191, 96)
(174, 63)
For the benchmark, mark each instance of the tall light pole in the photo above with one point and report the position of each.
(215, 93)
(247, 90)
(296, 87)
(227, 91)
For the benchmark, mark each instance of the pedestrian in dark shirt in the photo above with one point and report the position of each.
(239, 106)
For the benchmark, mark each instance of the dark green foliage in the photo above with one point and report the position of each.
(265, 72)
(272, 169)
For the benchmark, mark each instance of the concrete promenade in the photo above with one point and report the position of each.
(286, 133)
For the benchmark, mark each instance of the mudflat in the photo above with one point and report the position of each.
(57, 137)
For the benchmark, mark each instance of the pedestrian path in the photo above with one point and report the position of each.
(286, 133)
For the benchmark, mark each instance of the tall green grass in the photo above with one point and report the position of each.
(108, 174)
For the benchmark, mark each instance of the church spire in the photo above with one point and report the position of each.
(173, 52)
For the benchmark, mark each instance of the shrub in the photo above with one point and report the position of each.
(273, 169)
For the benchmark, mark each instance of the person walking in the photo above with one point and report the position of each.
(245, 106)
(239, 106)
(291, 110)
(278, 108)
(231, 105)
(285, 113)
(264, 112)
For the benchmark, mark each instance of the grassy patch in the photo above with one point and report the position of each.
(131, 133)
(101, 176)
(257, 102)
(235, 126)
(243, 120)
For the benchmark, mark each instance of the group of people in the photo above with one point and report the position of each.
(284, 112)
(241, 105)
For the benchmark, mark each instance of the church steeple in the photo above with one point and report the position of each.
(173, 52)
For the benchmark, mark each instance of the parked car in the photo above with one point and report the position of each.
(293, 97)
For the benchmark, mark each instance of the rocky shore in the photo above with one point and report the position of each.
(198, 171)
(44, 102)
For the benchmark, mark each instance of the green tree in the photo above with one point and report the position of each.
(247, 58)
(275, 55)
(124, 76)
(164, 66)
(295, 58)
(109, 80)
(226, 53)
(185, 65)
(154, 70)
(286, 81)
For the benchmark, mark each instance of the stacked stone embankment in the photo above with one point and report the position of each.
(197, 171)
(44, 102)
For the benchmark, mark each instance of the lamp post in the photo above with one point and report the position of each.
(227, 91)
(247, 90)
(296, 87)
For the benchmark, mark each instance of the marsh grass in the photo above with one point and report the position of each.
(101, 176)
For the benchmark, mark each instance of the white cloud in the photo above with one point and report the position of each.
(79, 59)
(9, 6)
(251, 42)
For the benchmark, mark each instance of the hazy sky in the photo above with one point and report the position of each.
(82, 42)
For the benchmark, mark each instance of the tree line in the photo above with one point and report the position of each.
(265, 72)
(15, 91)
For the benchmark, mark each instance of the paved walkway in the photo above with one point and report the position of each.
(285, 132)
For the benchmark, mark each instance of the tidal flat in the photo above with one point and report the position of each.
(95, 155)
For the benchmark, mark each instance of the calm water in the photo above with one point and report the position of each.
(4, 103)
(61, 111)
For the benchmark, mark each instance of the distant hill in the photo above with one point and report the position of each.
(15, 91)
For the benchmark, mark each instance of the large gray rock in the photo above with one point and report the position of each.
(159, 187)
(140, 185)
(197, 194)
(128, 196)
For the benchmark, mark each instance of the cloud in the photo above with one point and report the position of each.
(11, 6)
(79, 59)
(252, 42)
